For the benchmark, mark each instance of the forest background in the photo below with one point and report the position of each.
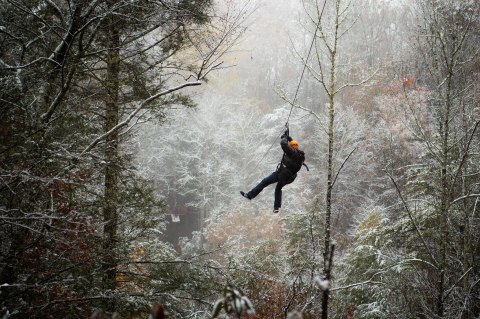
(128, 129)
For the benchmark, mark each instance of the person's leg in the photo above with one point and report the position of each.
(270, 179)
(278, 195)
(282, 181)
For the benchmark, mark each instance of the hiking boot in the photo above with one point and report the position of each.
(245, 195)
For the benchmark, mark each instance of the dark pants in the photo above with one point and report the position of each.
(281, 179)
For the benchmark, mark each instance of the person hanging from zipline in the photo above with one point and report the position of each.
(293, 158)
(292, 161)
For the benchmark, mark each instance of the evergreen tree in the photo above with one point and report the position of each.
(76, 78)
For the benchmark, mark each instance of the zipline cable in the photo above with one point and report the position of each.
(299, 83)
(305, 63)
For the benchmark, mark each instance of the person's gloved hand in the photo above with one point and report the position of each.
(286, 134)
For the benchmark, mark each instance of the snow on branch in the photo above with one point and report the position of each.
(362, 82)
(465, 197)
(367, 282)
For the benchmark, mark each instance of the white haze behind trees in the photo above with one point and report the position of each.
(202, 158)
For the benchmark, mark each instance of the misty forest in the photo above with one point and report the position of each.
(129, 129)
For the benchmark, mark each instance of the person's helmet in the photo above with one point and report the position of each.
(293, 144)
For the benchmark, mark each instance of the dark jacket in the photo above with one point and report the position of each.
(293, 158)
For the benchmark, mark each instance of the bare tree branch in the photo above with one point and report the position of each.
(410, 215)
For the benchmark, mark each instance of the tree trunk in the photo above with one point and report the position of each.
(110, 213)
(328, 278)
(445, 196)
(327, 256)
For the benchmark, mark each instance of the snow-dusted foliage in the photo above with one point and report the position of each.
(76, 77)
(234, 303)
(92, 189)
(373, 272)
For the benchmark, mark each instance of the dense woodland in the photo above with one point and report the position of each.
(128, 128)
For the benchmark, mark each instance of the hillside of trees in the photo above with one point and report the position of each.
(128, 128)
